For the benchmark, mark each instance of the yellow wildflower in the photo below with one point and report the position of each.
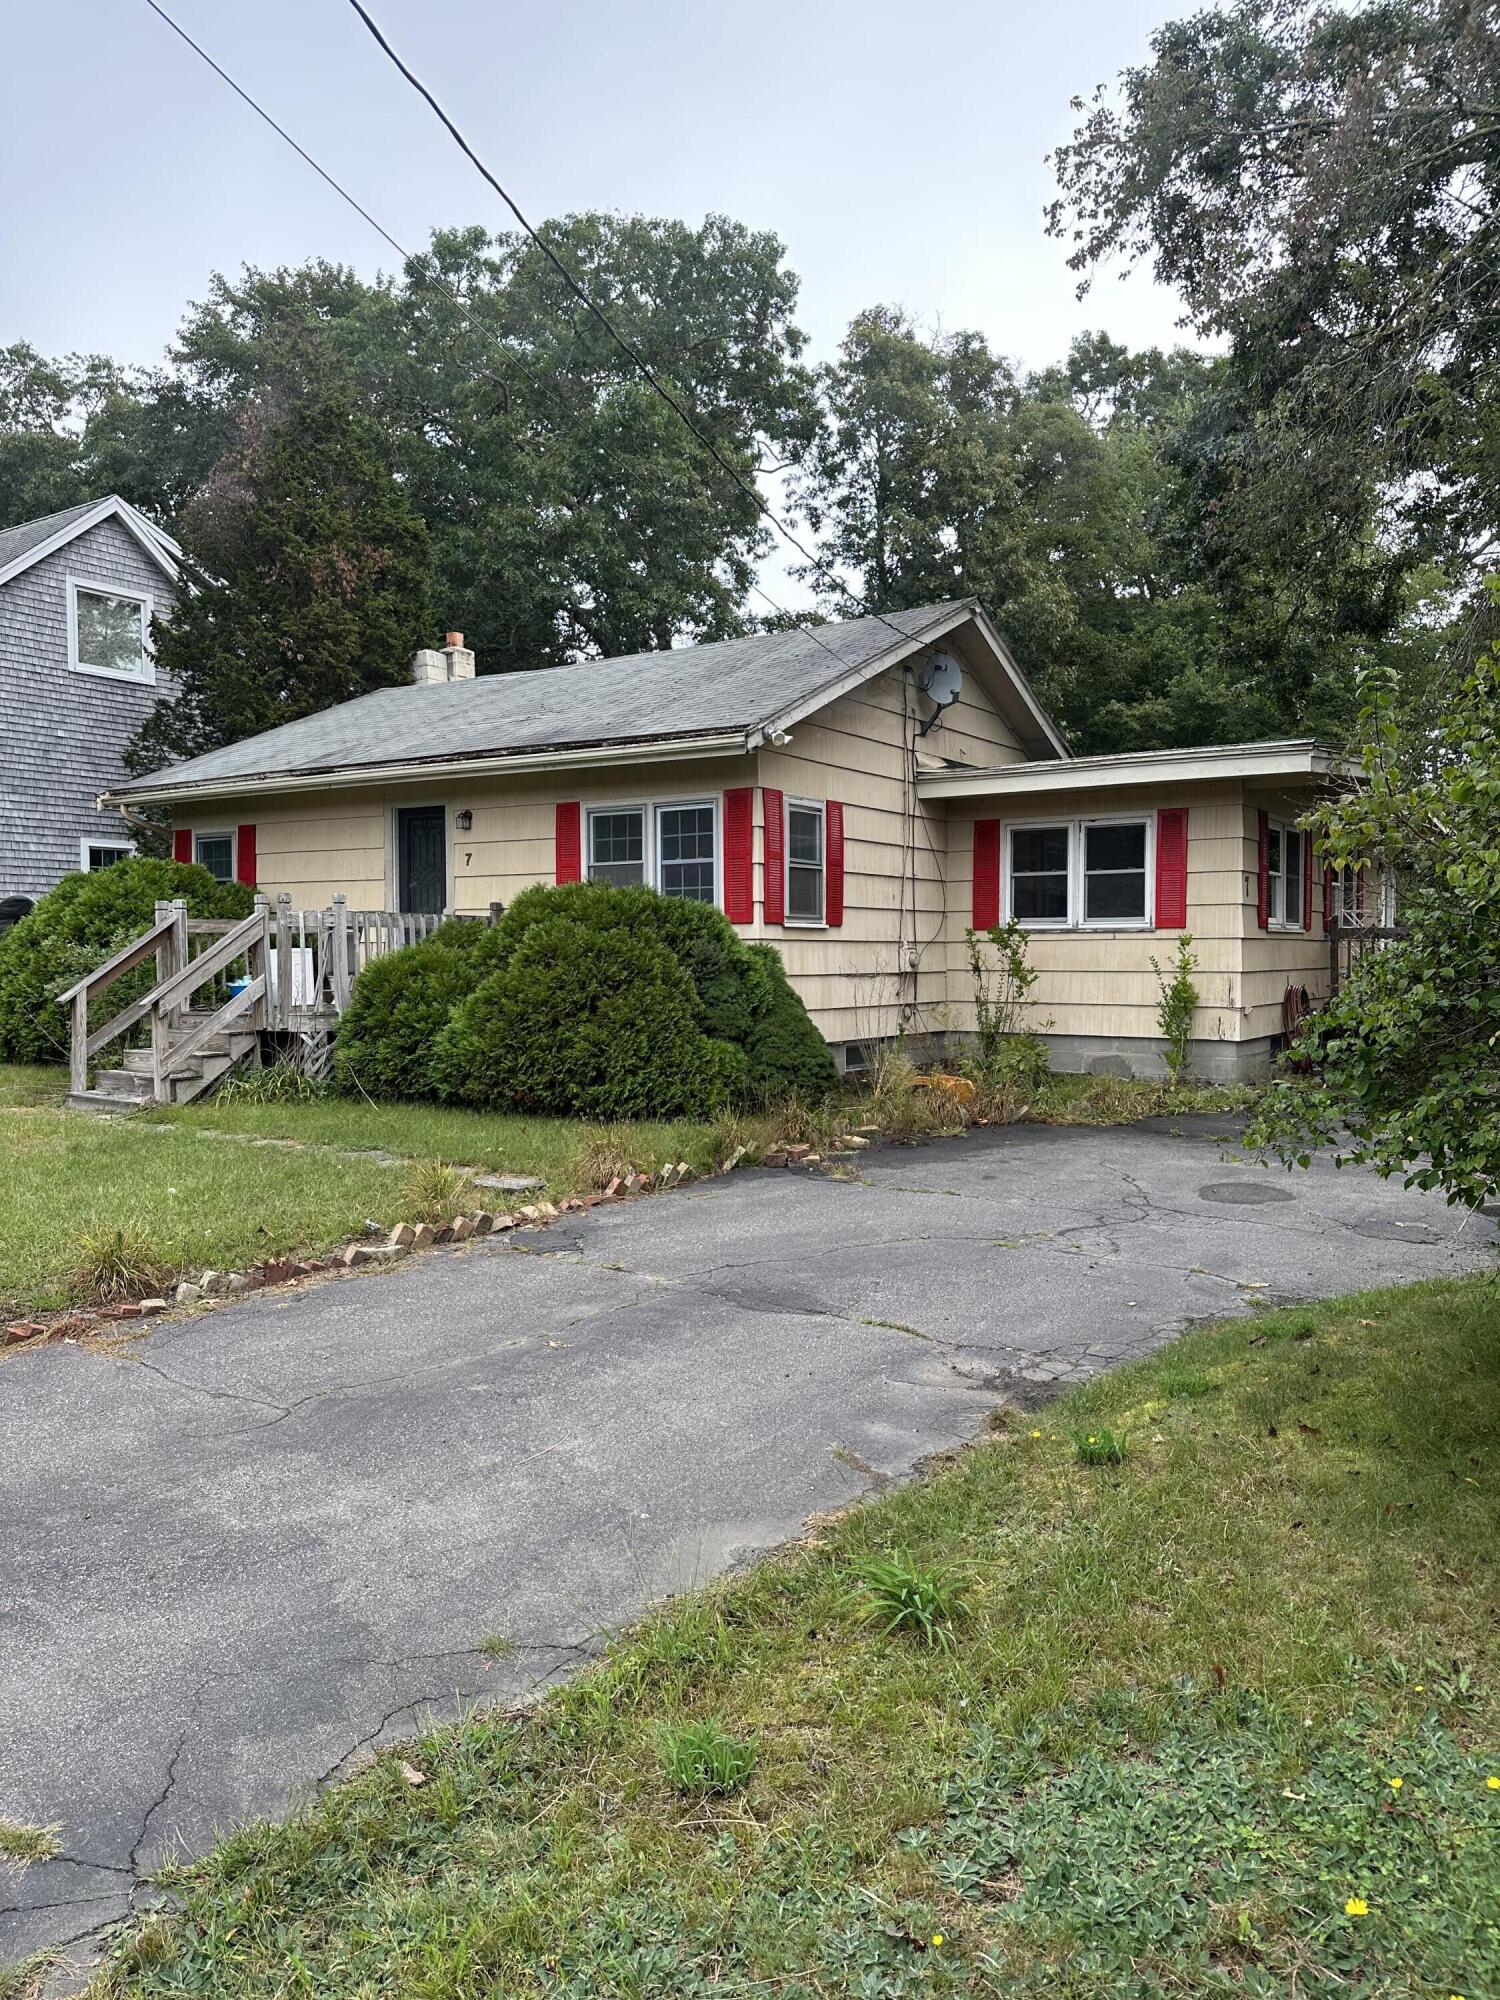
(1036, 1434)
(1493, 1782)
(937, 1937)
(1395, 1783)
(1356, 1907)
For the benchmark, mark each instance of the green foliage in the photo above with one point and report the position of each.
(701, 1757)
(598, 1023)
(1177, 1006)
(1363, 1859)
(1001, 987)
(1403, 1060)
(901, 1595)
(284, 1082)
(82, 922)
(115, 1261)
(1101, 1446)
(399, 1005)
(434, 1191)
(22, 1844)
(311, 585)
(1349, 270)
(787, 1057)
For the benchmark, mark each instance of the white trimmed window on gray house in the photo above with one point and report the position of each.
(109, 631)
(96, 854)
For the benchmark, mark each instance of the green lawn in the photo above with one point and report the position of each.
(197, 1188)
(1219, 1720)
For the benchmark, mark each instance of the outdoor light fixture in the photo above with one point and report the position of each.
(463, 820)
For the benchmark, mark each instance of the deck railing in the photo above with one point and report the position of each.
(277, 970)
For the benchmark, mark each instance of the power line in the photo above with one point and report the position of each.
(441, 284)
(626, 346)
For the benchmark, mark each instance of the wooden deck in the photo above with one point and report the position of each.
(221, 985)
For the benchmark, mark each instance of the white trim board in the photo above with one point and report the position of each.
(154, 541)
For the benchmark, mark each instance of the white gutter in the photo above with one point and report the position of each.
(267, 784)
(1147, 767)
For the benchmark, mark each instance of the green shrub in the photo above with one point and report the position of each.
(578, 1022)
(400, 1005)
(82, 922)
(698, 936)
(786, 1055)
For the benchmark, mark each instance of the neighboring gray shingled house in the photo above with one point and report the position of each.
(78, 591)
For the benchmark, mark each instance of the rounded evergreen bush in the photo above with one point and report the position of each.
(698, 936)
(586, 1020)
(785, 1055)
(78, 925)
(399, 1006)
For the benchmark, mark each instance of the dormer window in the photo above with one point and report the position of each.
(109, 632)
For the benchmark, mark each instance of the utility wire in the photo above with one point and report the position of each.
(432, 277)
(751, 492)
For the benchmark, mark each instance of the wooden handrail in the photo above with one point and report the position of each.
(177, 990)
(125, 960)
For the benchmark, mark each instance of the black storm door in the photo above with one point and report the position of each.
(423, 859)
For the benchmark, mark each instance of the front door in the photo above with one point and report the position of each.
(422, 859)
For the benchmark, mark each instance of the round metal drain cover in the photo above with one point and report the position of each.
(1245, 1194)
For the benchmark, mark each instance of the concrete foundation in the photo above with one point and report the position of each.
(1096, 1055)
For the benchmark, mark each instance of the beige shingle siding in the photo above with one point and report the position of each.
(63, 734)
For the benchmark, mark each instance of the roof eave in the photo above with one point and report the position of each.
(1305, 760)
(425, 770)
(154, 541)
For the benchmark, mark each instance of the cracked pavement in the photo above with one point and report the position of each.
(249, 1547)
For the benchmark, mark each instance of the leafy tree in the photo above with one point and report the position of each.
(1082, 505)
(1319, 183)
(1404, 1059)
(311, 582)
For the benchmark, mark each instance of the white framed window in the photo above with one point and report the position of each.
(109, 631)
(687, 850)
(215, 852)
(617, 845)
(1284, 853)
(805, 851)
(1081, 874)
(96, 854)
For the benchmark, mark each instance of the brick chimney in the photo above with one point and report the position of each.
(455, 662)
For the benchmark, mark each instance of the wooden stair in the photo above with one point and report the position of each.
(129, 1087)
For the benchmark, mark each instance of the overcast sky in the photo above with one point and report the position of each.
(897, 148)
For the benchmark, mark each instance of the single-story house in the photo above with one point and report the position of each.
(859, 794)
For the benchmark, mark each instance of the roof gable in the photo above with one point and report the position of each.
(29, 541)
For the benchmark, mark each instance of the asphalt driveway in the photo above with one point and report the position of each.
(243, 1549)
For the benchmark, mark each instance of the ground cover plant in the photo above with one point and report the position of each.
(1272, 1621)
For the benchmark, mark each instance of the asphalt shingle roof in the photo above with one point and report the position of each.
(721, 688)
(27, 535)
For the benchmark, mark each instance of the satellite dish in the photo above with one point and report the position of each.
(940, 678)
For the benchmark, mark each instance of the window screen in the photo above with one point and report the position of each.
(685, 841)
(617, 847)
(1114, 873)
(1039, 874)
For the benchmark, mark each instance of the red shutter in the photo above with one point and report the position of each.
(1327, 900)
(739, 872)
(833, 889)
(569, 841)
(182, 843)
(1307, 923)
(774, 891)
(244, 854)
(1171, 868)
(1263, 864)
(986, 874)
